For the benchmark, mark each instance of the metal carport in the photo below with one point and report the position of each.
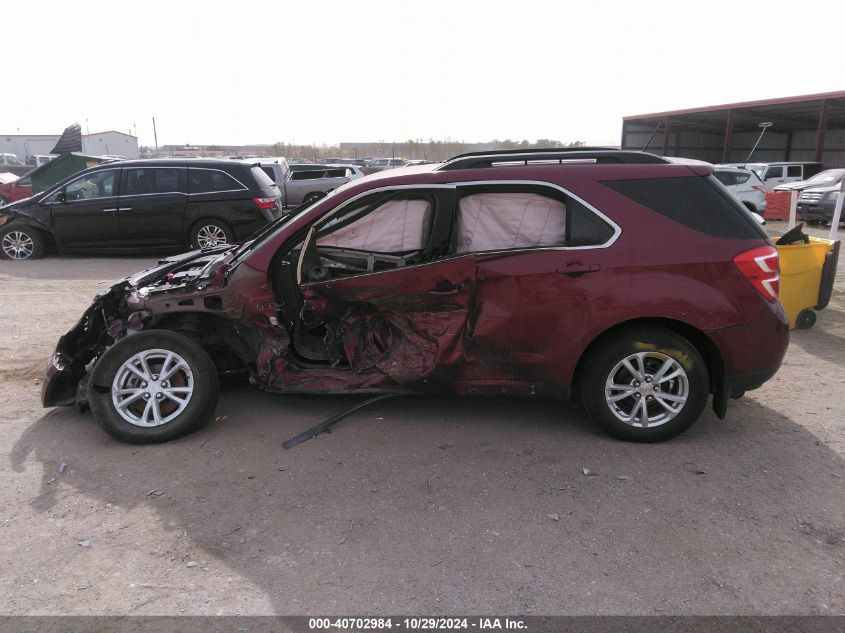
(803, 128)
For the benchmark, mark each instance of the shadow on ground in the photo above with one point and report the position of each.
(424, 505)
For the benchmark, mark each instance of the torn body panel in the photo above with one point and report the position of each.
(401, 328)
(184, 291)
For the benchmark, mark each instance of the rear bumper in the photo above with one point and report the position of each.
(751, 354)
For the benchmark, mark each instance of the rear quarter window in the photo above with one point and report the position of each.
(262, 178)
(699, 203)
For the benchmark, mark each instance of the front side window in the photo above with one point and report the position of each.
(211, 180)
(152, 180)
(395, 226)
(100, 184)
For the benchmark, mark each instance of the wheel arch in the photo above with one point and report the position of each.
(702, 343)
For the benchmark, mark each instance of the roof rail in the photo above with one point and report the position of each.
(480, 160)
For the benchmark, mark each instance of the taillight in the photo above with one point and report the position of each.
(759, 188)
(265, 203)
(761, 267)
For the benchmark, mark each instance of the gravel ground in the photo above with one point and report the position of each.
(430, 506)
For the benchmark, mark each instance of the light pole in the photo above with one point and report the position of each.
(765, 126)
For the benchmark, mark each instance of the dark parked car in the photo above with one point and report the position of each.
(639, 285)
(816, 205)
(142, 203)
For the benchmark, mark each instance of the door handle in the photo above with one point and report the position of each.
(124, 208)
(578, 268)
(112, 210)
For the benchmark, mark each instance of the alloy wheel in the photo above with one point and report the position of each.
(18, 245)
(646, 389)
(152, 387)
(211, 235)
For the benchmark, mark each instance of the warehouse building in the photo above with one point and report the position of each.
(802, 128)
(102, 143)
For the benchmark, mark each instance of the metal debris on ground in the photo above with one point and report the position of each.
(85, 543)
(624, 477)
(155, 493)
(587, 472)
(62, 467)
(554, 516)
(191, 563)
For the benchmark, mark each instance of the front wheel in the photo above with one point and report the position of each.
(646, 385)
(21, 242)
(153, 386)
(207, 233)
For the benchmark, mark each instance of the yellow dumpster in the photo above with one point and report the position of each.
(807, 273)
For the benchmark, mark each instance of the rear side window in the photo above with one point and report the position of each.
(153, 180)
(696, 202)
(742, 178)
(211, 180)
(521, 218)
(793, 171)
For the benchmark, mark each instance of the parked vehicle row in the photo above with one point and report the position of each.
(145, 203)
(490, 274)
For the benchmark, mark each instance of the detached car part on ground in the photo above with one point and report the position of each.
(640, 286)
(133, 205)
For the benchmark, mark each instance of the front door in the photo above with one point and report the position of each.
(85, 213)
(378, 297)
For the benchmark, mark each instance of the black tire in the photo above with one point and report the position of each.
(206, 229)
(111, 367)
(655, 346)
(21, 242)
(805, 319)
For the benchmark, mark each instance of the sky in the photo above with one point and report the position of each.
(252, 71)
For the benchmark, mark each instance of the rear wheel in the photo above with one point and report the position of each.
(211, 232)
(152, 387)
(646, 385)
(21, 242)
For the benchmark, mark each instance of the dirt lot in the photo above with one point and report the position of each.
(415, 505)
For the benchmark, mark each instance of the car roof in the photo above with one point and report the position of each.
(176, 162)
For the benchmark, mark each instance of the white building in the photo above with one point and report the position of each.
(99, 144)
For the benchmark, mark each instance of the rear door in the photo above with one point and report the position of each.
(372, 279)
(542, 269)
(84, 212)
(151, 205)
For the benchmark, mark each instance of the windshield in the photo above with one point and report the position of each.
(241, 252)
(831, 176)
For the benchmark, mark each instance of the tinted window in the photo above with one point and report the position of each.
(263, 177)
(742, 178)
(210, 180)
(695, 202)
(727, 178)
(793, 171)
(774, 172)
(149, 180)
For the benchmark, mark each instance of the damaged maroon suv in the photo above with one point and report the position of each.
(640, 285)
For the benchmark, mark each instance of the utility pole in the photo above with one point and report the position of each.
(155, 135)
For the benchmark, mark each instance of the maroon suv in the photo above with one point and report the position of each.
(640, 285)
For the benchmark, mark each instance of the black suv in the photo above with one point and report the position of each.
(142, 203)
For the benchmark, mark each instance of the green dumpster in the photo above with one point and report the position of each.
(61, 167)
